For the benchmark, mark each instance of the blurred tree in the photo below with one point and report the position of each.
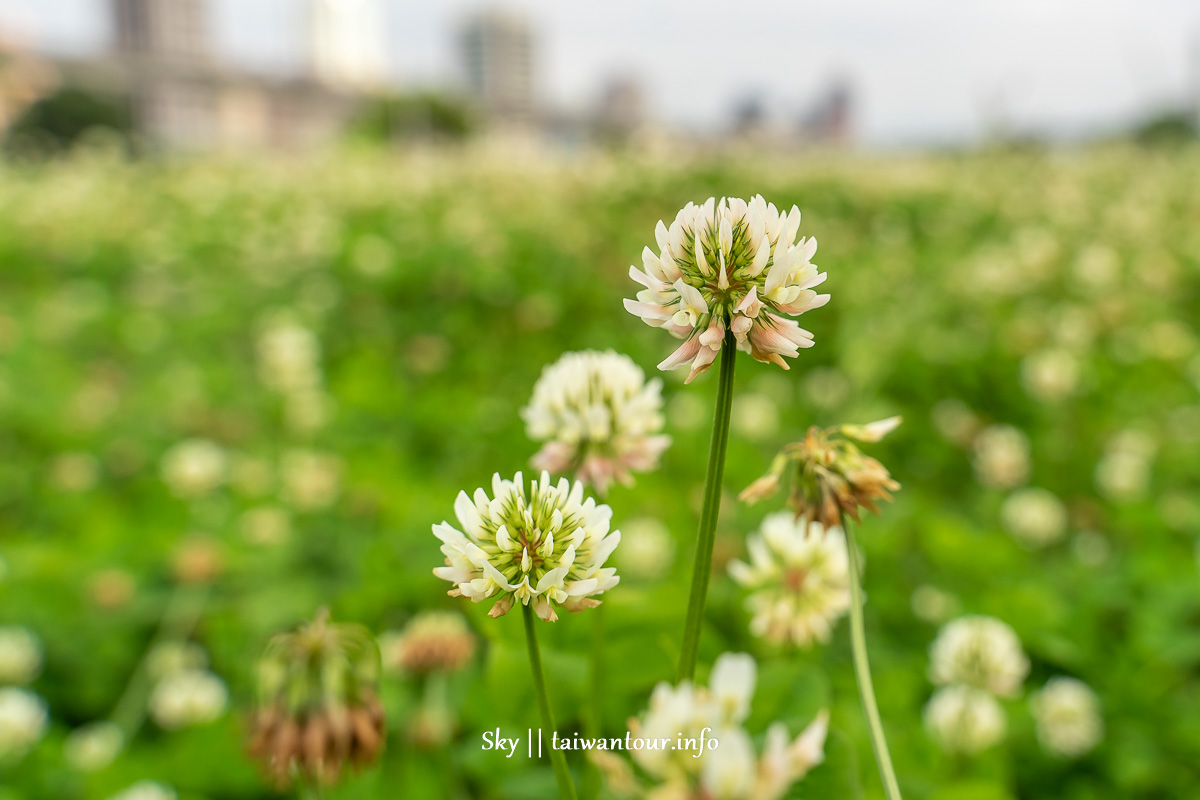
(57, 121)
(417, 115)
(1166, 128)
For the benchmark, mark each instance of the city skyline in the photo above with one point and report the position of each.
(933, 71)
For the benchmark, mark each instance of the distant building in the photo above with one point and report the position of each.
(621, 111)
(497, 54)
(347, 43)
(829, 121)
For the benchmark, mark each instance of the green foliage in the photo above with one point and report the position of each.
(56, 122)
(418, 115)
(133, 299)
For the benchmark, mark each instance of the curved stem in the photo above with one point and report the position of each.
(566, 789)
(702, 569)
(862, 669)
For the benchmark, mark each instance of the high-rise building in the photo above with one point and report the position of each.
(347, 43)
(497, 51)
(166, 29)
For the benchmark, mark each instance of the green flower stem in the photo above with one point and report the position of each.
(702, 569)
(566, 789)
(862, 669)
(592, 779)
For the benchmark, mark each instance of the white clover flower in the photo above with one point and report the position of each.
(1035, 517)
(799, 578)
(1050, 375)
(194, 467)
(1123, 475)
(731, 770)
(186, 698)
(94, 746)
(979, 651)
(1001, 457)
(20, 655)
(170, 657)
(647, 548)
(265, 525)
(544, 548)
(599, 418)
(964, 719)
(289, 356)
(311, 480)
(23, 721)
(729, 266)
(1067, 714)
(146, 790)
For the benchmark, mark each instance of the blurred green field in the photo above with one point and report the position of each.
(1056, 294)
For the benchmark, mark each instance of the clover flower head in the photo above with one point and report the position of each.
(830, 476)
(964, 719)
(979, 651)
(146, 790)
(94, 746)
(20, 655)
(1035, 517)
(188, 697)
(544, 547)
(23, 721)
(799, 578)
(194, 467)
(732, 770)
(1001, 458)
(599, 418)
(434, 641)
(729, 269)
(1067, 715)
(318, 703)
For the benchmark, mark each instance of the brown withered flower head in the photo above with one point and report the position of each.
(433, 641)
(318, 706)
(830, 475)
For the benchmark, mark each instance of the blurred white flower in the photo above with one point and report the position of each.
(547, 547)
(23, 721)
(189, 697)
(1035, 517)
(20, 655)
(94, 746)
(145, 790)
(955, 421)
(170, 657)
(979, 651)
(729, 266)
(731, 770)
(599, 418)
(933, 605)
(1067, 714)
(193, 468)
(798, 577)
(289, 356)
(311, 480)
(1050, 375)
(647, 549)
(963, 719)
(1123, 474)
(1097, 267)
(1001, 457)
(265, 525)
(755, 416)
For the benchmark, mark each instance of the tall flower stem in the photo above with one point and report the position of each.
(702, 568)
(862, 670)
(566, 789)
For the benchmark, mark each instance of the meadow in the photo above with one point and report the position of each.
(233, 392)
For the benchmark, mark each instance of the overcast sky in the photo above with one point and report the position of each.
(921, 70)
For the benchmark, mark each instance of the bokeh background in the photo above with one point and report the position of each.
(269, 301)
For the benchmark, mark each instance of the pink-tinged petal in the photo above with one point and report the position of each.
(750, 304)
(714, 334)
(685, 353)
(501, 607)
(678, 331)
(741, 326)
(807, 301)
(703, 360)
(816, 280)
(544, 610)
(647, 311)
(554, 456)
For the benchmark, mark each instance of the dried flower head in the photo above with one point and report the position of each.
(546, 548)
(799, 579)
(318, 706)
(599, 417)
(831, 476)
(434, 641)
(979, 651)
(1067, 714)
(735, 267)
